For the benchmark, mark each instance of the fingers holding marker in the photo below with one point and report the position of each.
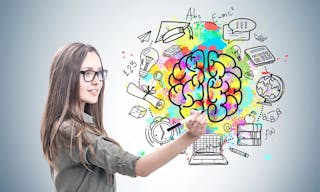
(193, 118)
(189, 121)
(197, 123)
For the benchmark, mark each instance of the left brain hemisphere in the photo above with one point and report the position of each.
(187, 79)
(213, 84)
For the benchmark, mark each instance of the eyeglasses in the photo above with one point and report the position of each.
(89, 75)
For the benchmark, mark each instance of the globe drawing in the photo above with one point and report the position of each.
(270, 88)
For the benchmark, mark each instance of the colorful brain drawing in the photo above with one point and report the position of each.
(208, 81)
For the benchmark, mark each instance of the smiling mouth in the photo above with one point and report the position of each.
(94, 91)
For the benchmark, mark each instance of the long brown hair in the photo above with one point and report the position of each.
(63, 103)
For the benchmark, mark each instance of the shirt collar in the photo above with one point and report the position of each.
(88, 118)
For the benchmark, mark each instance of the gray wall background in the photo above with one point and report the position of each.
(32, 31)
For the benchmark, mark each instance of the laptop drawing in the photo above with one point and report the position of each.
(207, 151)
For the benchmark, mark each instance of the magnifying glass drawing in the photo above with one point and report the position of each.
(158, 77)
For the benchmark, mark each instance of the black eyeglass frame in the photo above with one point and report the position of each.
(102, 75)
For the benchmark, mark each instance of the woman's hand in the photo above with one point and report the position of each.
(197, 124)
(151, 162)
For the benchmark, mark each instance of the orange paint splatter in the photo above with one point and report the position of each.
(202, 47)
(185, 50)
(212, 48)
(211, 26)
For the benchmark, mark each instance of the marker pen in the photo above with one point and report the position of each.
(237, 151)
(183, 121)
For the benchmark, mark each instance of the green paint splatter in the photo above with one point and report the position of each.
(141, 153)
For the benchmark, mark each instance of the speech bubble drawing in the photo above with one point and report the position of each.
(242, 25)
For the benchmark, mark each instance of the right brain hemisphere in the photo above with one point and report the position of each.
(209, 82)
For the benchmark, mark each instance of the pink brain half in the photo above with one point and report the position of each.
(210, 82)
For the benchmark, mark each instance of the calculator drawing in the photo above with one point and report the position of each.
(260, 55)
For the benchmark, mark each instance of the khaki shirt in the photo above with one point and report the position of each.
(71, 176)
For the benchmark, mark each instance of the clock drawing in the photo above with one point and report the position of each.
(159, 131)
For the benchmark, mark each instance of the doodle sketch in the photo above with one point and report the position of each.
(207, 64)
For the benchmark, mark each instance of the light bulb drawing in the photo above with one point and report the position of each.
(148, 57)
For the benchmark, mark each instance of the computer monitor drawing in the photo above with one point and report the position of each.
(207, 150)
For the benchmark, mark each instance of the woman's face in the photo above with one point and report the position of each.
(89, 91)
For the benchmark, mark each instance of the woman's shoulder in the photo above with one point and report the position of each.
(65, 127)
(69, 127)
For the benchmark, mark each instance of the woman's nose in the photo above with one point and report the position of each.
(95, 80)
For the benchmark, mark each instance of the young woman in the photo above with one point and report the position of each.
(81, 155)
